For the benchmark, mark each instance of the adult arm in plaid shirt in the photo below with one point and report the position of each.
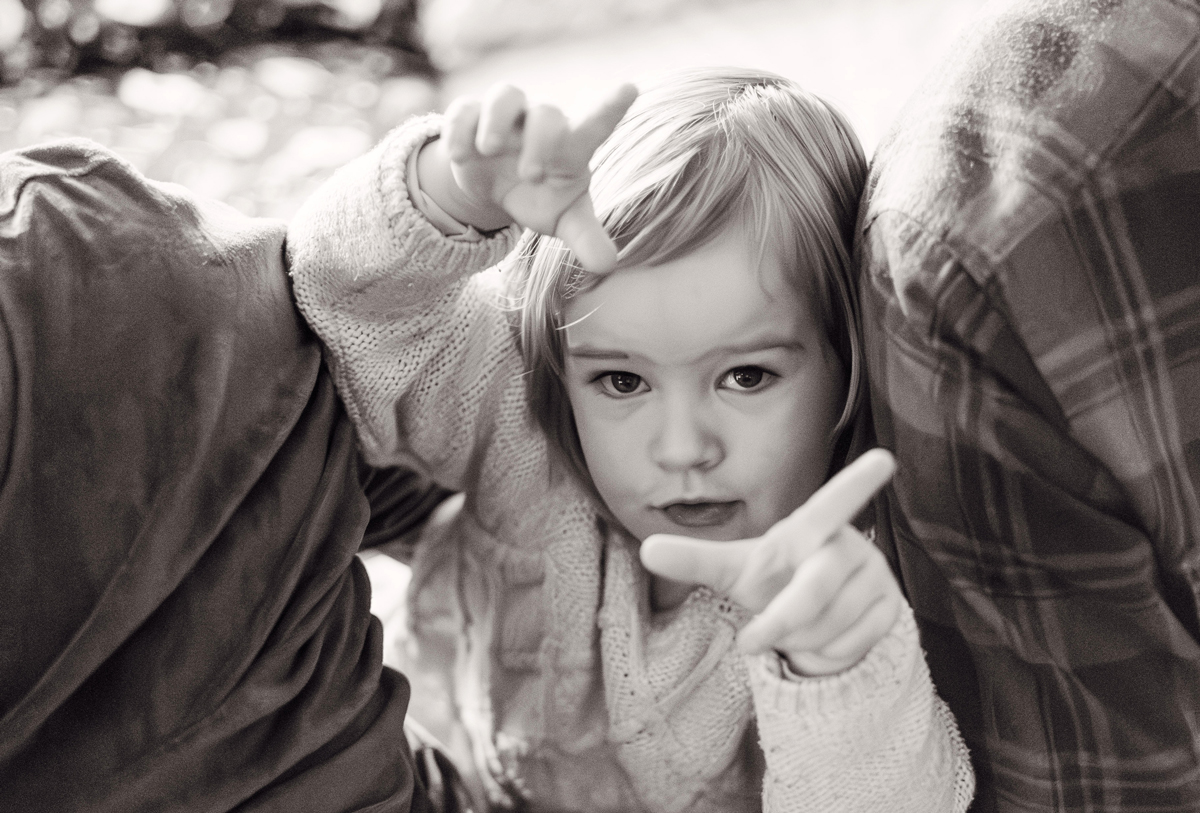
(1030, 250)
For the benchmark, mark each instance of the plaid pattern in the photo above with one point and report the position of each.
(1030, 251)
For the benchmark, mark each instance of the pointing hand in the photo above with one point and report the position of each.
(824, 593)
(531, 162)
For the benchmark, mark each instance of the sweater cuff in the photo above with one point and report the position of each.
(882, 673)
(419, 238)
(429, 207)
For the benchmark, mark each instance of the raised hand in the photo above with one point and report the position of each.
(824, 594)
(516, 161)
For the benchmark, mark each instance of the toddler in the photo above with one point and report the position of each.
(707, 387)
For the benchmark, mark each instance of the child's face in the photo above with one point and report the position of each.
(705, 393)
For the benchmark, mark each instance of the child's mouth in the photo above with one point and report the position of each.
(701, 514)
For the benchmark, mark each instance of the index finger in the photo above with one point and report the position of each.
(834, 504)
(584, 234)
(598, 123)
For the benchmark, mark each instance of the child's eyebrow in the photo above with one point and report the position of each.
(595, 353)
(757, 346)
(761, 345)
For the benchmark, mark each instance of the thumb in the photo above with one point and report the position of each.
(696, 561)
(583, 233)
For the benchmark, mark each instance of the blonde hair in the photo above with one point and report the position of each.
(696, 153)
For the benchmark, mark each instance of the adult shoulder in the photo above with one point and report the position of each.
(1037, 109)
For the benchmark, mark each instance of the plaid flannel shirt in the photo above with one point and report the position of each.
(1030, 255)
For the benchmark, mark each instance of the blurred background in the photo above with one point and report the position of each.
(255, 102)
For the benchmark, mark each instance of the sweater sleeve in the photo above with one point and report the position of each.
(415, 330)
(873, 738)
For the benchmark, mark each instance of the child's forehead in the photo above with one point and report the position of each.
(720, 295)
(738, 260)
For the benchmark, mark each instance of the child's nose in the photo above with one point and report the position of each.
(686, 439)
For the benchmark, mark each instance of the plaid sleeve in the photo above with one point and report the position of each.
(1033, 342)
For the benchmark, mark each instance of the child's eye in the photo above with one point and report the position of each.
(621, 383)
(746, 378)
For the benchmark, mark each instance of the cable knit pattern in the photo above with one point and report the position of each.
(677, 692)
(887, 730)
(577, 696)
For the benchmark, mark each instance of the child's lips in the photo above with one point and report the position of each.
(701, 514)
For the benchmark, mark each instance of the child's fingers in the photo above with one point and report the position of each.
(767, 570)
(834, 504)
(583, 233)
(812, 664)
(850, 587)
(778, 555)
(598, 123)
(501, 118)
(869, 629)
(852, 645)
(545, 131)
(459, 125)
(815, 605)
(695, 561)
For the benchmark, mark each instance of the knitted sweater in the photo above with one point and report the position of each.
(576, 694)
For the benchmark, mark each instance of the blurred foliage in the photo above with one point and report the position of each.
(88, 36)
(253, 102)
